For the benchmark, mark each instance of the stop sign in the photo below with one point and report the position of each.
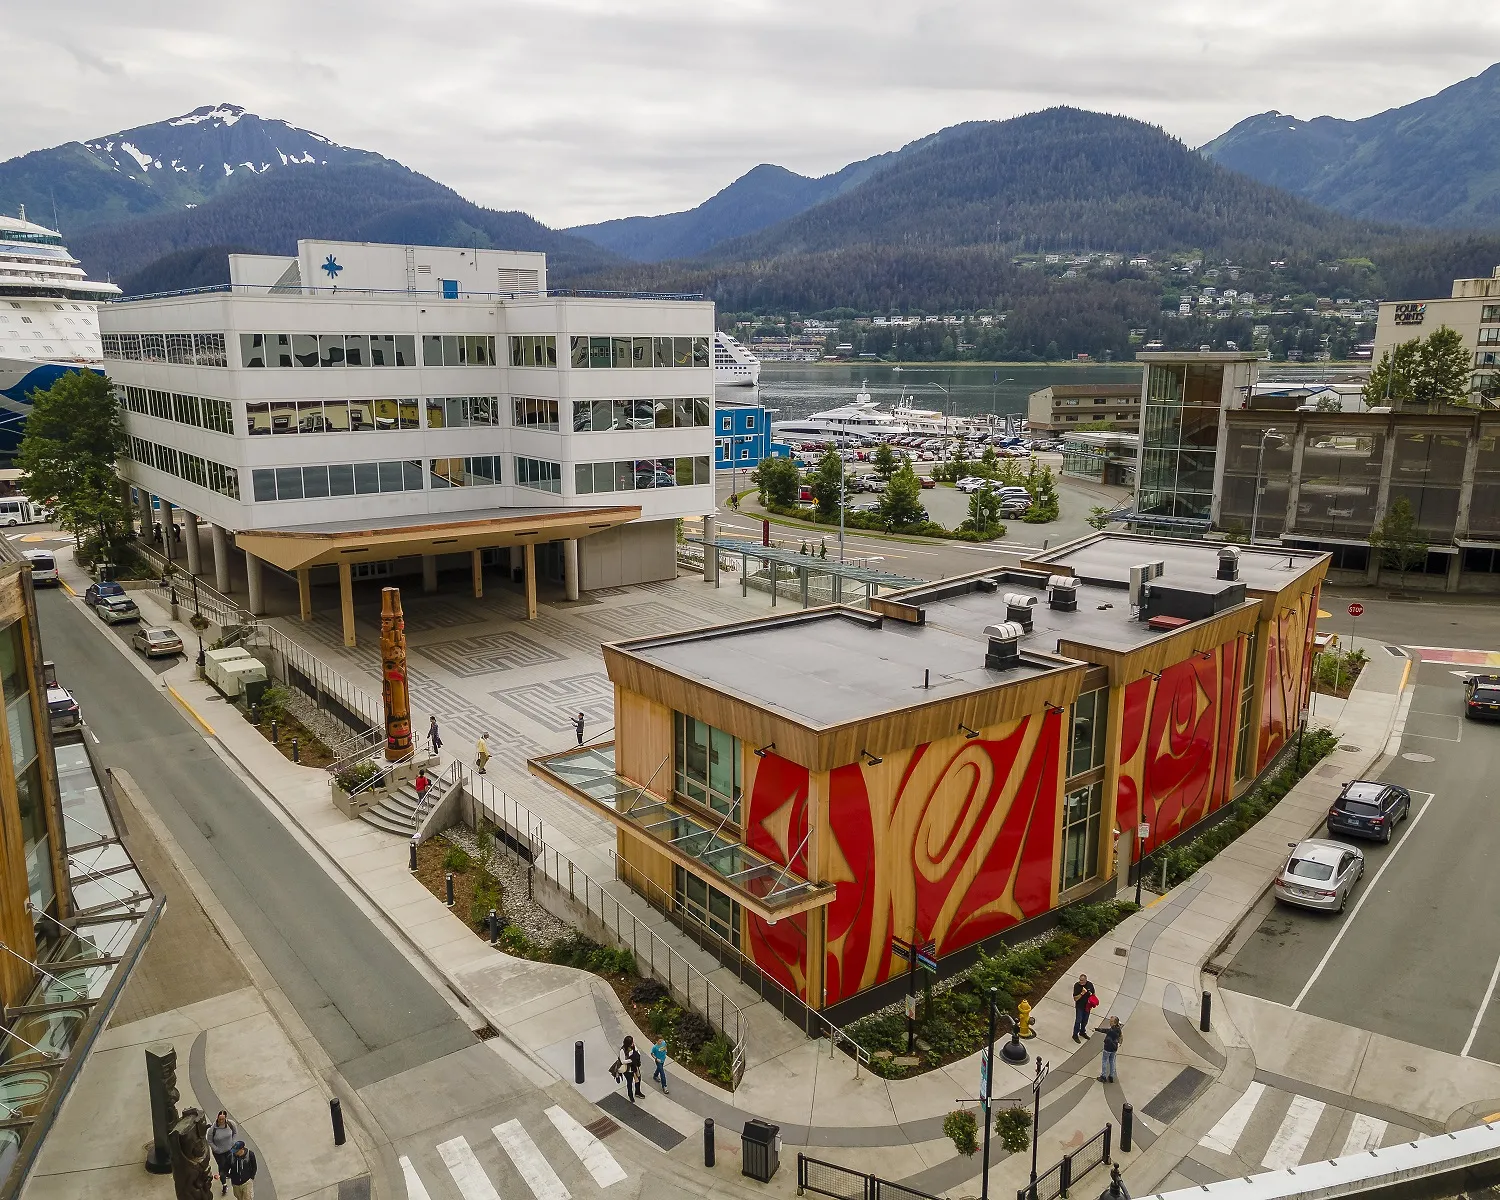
(1356, 609)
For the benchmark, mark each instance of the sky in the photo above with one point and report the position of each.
(583, 110)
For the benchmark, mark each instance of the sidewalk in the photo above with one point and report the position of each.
(1179, 1081)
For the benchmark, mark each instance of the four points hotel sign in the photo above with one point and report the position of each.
(1413, 313)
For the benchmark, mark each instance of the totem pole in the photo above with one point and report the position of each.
(161, 1087)
(393, 676)
(192, 1176)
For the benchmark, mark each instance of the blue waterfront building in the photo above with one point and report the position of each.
(742, 435)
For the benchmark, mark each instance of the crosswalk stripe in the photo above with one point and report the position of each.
(1365, 1133)
(1296, 1131)
(534, 1168)
(466, 1171)
(592, 1153)
(1223, 1136)
(415, 1189)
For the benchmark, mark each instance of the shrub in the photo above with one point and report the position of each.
(715, 1056)
(962, 1127)
(662, 1018)
(487, 895)
(574, 950)
(1094, 920)
(513, 941)
(457, 859)
(273, 701)
(693, 1031)
(648, 992)
(1013, 1127)
(353, 777)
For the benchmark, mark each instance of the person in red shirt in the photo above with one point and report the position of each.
(421, 783)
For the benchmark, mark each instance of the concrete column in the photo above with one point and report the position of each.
(429, 573)
(1294, 486)
(710, 551)
(515, 560)
(304, 593)
(346, 602)
(530, 558)
(570, 568)
(476, 567)
(1455, 564)
(253, 583)
(221, 559)
(168, 517)
(143, 506)
(1466, 486)
(190, 538)
(1382, 496)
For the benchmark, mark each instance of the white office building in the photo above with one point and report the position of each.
(366, 410)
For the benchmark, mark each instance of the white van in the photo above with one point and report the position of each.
(43, 568)
(17, 510)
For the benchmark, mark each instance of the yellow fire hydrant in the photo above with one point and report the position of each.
(1023, 1012)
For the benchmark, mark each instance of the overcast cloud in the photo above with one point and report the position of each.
(582, 110)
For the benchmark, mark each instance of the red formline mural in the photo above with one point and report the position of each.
(1288, 674)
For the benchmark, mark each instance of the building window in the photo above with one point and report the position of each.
(532, 413)
(533, 350)
(637, 474)
(466, 472)
(1489, 337)
(543, 476)
(744, 452)
(749, 420)
(708, 906)
(1490, 312)
(598, 416)
(1089, 723)
(202, 411)
(724, 422)
(337, 479)
(1247, 704)
(382, 569)
(1081, 814)
(328, 350)
(707, 766)
(458, 350)
(601, 352)
(332, 416)
(462, 412)
(216, 477)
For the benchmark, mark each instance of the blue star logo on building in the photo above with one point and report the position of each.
(331, 265)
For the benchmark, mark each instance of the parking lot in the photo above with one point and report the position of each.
(1417, 954)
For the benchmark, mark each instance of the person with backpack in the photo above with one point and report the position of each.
(659, 1055)
(1114, 1034)
(1084, 999)
(222, 1136)
(421, 783)
(434, 740)
(242, 1167)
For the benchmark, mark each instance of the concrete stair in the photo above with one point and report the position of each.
(398, 812)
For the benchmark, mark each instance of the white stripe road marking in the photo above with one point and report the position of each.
(415, 1189)
(1296, 1131)
(1411, 828)
(1365, 1133)
(472, 1182)
(534, 1169)
(1489, 994)
(1223, 1136)
(592, 1153)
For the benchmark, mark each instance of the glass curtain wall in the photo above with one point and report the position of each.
(1179, 432)
(1243, 460)
(15, 685)
(1340, 480)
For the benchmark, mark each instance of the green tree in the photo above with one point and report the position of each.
(827, 485)
(778, 482)
(74, 437)
(1098, 517)
(884, 460)
(984, 512)
(1443, 369)
(989, 460)
(1396, 540)
(901, 505)
(1044, 501)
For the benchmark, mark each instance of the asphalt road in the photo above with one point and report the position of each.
(372, 1012)
(1416, 955)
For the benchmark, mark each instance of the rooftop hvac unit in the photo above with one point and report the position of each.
(1018, 609)
(1005, 646)
(1229, 563)
(1062, 593)
(1140, 576)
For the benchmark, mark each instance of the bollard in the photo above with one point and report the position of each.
(708, 1141)
(275, 733)
(450, 889)
(577, 1062)
(412, 865)
(1127, 1126)
(336, 1111)
(1204, 1012)
(494, 919)
(296, 756)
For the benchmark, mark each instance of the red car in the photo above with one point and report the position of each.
(927, 481)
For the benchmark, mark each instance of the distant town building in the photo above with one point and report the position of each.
(1060, 405)
(1473, 310)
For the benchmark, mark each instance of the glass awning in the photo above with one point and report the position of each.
(696, 843)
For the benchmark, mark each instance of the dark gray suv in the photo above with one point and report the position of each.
(1369, 809)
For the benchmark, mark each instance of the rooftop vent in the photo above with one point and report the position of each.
(1005, 646)
(1062, 593)
(1229, 563)
(1018, 609)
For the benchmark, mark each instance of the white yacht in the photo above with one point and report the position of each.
(49, 318)
(861, 418)
(733, 364)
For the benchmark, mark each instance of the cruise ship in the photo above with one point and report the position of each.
(733, 364)
(860, 419)
(49, 319)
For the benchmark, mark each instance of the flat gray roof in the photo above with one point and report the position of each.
(1110, 557)
(1102, 619)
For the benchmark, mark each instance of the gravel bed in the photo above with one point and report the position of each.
(327, 729)
(535, 921)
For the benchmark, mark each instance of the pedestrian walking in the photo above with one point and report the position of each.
(1114, 1034)
(630, 1064)
(242, 1172)
(659, 1055)
(222, 1136)
(481, 752)
(434, 741)
(421, 783)
(635, 1069)
(578, 727)
(1084, 1000)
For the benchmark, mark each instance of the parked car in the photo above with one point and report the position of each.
(96, 591)
(116, 610)
(970, 483)
(927, 481)
(869, 506)
(154, 643)
(62, 710)
(1482, 697)
(1012, 492)
(1319, 874)
(43, 568)
(1367, 808)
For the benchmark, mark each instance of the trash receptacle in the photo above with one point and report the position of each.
(760, 1150)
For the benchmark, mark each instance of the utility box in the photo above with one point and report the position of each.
(239, 674)
(760, 1150)
(215, 662)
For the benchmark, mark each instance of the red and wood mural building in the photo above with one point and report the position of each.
(960, 758)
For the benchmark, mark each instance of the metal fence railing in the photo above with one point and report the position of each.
(1062, 1175)
(843, 1183)
(519, 831)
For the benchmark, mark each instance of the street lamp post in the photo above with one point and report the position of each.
(984, 1100)
(841, 510)
(1036, 1118)
(1266, 438)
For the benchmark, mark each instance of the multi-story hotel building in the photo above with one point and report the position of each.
(962, 759)
(365, 410)
(1473, 310)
